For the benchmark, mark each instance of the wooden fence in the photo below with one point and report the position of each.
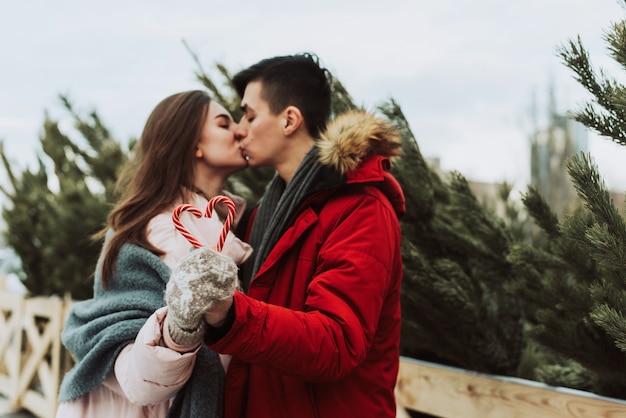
(449, 392)
(32, 363)
(32, 360)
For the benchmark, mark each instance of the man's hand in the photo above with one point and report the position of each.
(216, 314)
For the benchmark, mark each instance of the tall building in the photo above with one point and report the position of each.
(550, 150)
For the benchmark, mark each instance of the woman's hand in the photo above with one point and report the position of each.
(203, 280)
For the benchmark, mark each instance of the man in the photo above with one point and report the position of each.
(317, 332)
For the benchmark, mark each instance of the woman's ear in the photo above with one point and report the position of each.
(292, 120)
(198, 152)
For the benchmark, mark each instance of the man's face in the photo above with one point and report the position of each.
(263, 144)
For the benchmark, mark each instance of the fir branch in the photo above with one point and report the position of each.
(572, 375)
(573, 248)
(616, 39)
(392, 110)
(221, 68)
(605, 124)
(458, 241)
(95, 133)
(455, 289)
(541, 212)
(479, 221)
(533, 260)
(608, 251)
(341, 100)
(612, 322)
(604, 292)
(591, 188)
(576, 58)
(411, 170)
(202, 76)
(618, 98)
(9, 171)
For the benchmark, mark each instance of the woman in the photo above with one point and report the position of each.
(130, 360)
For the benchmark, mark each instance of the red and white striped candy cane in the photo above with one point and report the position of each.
(179, 225)
(208, 212)
(229, 217)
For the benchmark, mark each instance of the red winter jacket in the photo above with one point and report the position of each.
(318, 333)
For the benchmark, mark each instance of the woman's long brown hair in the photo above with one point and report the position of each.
(158, 174)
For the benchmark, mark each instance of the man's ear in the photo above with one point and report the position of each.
(292, 120)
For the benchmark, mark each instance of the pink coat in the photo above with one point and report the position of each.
(149, 372)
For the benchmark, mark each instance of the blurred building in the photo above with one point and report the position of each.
(550, 148)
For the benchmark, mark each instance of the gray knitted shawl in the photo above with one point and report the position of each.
(97, 329)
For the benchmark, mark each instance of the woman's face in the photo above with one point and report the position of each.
(218, 149)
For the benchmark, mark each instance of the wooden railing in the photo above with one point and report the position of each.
(449, 392)
(32, 360)
(32, 363)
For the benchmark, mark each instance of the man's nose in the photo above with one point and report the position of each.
(240, 133)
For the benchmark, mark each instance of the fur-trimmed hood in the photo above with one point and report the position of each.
(361, 147)
(355, 135)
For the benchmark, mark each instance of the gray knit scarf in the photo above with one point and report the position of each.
(277, 206)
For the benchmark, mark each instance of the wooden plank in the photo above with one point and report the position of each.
(6, 408)
(39, 405)
(11, 313)
(449, 392)
(43, 321)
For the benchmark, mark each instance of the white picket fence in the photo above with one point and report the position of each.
(33, 361)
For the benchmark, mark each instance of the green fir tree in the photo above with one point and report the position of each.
(573, 288)
(53, 211)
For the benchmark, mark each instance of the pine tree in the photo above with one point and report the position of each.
(54, 211)
(574, 287)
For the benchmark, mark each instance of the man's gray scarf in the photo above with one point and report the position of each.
(276, 208)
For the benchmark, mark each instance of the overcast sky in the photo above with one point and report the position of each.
(464, 72)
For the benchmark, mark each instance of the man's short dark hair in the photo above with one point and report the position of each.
(292, 80)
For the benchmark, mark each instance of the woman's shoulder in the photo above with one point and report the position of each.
(132, 253)
(134, 261)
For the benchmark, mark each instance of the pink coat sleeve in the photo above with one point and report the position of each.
(149, 371)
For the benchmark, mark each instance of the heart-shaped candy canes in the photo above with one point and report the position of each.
(208, 212)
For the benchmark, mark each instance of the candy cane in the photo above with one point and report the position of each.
(181, 228)
(229, 217)
(208, 213)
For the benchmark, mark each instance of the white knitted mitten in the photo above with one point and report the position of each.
(201, 278)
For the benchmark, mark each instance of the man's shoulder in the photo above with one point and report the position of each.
(354, 198)
(358, 192)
